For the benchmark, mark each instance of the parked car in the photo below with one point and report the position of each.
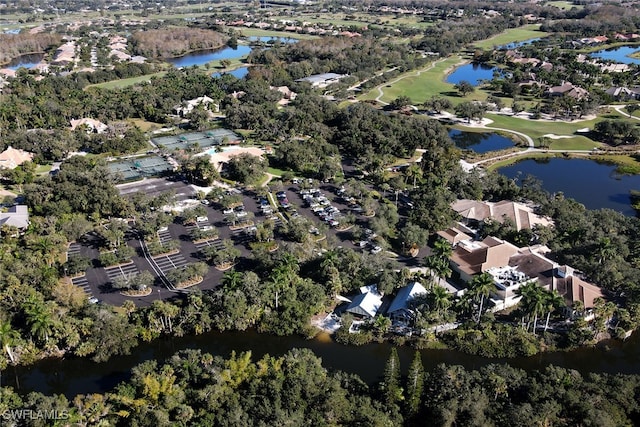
(227, 211)
(241, 214)
(163, 229)
(334, 223)
(239, 208)
(281, 195)
(202, 219)
(376, 249)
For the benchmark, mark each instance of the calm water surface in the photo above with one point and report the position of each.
(238, 72)
(81, 376)
(480, 142)
(473, 73)
(202, 57)
(25, 61)
(518, 44)
(593, 184)
(620, 54)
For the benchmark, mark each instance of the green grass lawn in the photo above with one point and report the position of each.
(515, 159)
(512, 35)
(256, 32)
(564, 5)
(535, 128)
(118, 84)
(276, 171)
(626, 164)
(419, 87)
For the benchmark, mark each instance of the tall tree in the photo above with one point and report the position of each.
(481, 287)
(415, 385)
(391, 387)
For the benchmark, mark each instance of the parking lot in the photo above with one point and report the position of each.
(321, 205)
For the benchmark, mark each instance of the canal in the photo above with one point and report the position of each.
(81, 376)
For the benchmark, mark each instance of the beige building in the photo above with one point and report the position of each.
(11, 158)
(520, 214)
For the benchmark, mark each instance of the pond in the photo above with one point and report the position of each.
(595, 185)
(480, 142)
(25, 61)
(204, 56)
(619, 54)
(518, 44)
(272, 39)
(474, 73)
(238, 72)
(81, 376)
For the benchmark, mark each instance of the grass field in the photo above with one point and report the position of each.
(515, 159)
(564, 5)
(536, 129)
(420, 87)
(512, 35)
(117, 84)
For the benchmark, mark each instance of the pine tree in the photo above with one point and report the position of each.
(391, 389)
(415, 385)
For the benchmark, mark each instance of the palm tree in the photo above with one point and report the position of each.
(8, 336)
(232, 280)
(481, 286)
(40, 320)
(442, 248)
(553, 301)
(533, 301)
(440, 298)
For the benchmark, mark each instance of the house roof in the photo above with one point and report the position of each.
(453, 235)
(405, 295)
(17, 216)
(93, 124)
(521, 215)
(366, 304)
(11, 158)
(477, 257)
(573, 289)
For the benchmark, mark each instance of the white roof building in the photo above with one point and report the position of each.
(17, 216)
(365, 305)
(323, 80)
(399, 309)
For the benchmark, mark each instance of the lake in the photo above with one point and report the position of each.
(480, 142)
(619, 54)
(518, 44)
(81, 376)
(204, 56)
(474, 73)
(238, 72)
(595, 185)
(25, 61)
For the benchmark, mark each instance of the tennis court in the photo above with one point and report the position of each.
(197, 140)
(140, 167)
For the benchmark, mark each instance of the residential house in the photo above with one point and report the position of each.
(522, 216)
(569, 283)
(188, 106)
(91, 125)
(620, 93)
(365, 305)
(17, 216)
(11, 158)
(400, 309)
(567, 89)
